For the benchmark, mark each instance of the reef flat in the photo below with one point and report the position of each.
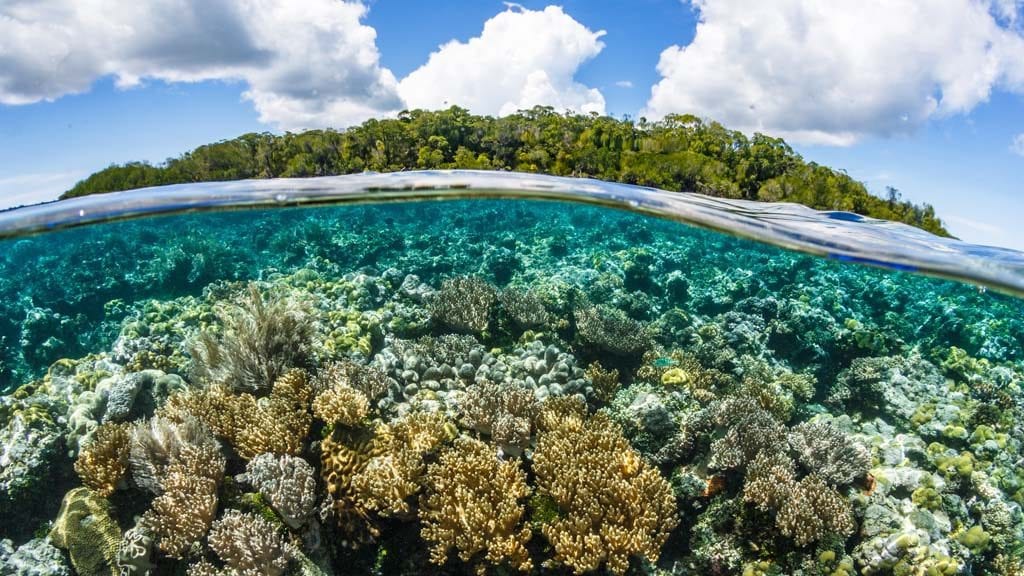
(496, 387)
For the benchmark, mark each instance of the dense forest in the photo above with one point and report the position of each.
(680, 152)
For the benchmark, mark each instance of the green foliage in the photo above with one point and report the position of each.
(680, 152)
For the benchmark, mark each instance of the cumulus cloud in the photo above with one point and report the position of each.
(834, 72)
(521, 59)
(1017, 146)
(312, 66)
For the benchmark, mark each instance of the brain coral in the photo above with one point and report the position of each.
(612, 505)
(85, 528)
(474, 506)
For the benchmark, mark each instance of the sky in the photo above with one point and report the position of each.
(926, 97)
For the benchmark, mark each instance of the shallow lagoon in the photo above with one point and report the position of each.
(496, 386)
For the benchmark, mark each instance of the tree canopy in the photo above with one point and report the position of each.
(679, 153)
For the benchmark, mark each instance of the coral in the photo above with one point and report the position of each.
(524, 308)
(827, 452)
(474, 505)
(814, 510)
(187, 465)
(277, 424)
(605, 330)
(262, 338)
(138, 394)
(749, 430)
(344, 454)
(770, 480)
(605, 382)
(464, 304)
(37, 557)
(342, 405)
(249, 545)
(86, 529)
(135, 551)
(505, 412)
(371, 381)
(30, 446)
(627, 509)
(103, 461)
(287, 483)
(393, 475)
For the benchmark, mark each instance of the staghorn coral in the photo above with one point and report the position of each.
(249, 545)
(826, 451)
(503, 411)
(626, 508)
(86, 528)
(603, 330)
(262, 338)
(393, 474)
(342, 405)
(770, 480)
(287, 483)
(464, 304)
(474, 506)
(103, 461)
(188, 483)
(277, 424)
(524, 308)
(371, 381)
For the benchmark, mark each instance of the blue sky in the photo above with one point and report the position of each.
(933, 112)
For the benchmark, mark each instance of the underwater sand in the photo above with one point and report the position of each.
(496, 386)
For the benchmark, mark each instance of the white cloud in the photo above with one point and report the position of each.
(34, 188)
(308, 66)
(521, 59)
(1017, 146)
(834, 72)
(624, 84)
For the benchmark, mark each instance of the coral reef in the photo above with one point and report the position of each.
(248, 545)
(474, 506)
(627, 508)
(86, 529)
(464, 304)
(104, 460)
(287, 483)
(606, 330)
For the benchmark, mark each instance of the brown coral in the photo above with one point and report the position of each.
(612, 504)
(342, 405)
(249, 545)
(344, 454)
(103, 461)
(506, 412)
(369, 380)
(474, 506)
(183, 512)
(605, 382)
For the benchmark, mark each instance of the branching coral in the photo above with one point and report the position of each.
(103, 461)
(606, 330)
(288, 483)
(187, 466)
(464, 304)
(806, 510)
(263, 337)
(605, 382)
(506, 412)
(612, 504)
(249, 545)
(749, 430)
(278, 424)
(341, 404)
(393, 475)
(524, 308)
(474, 506)
(828, 452)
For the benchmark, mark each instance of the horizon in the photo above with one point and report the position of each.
(937, 115)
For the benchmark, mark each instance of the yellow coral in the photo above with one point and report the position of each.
(86, 529)
(474, 505)
(344, 454)
(103, 461)
(278, 424)
(182, 514)
(342, 405)
(612, 504)
(605, 382)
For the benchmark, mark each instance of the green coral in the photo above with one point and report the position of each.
(86, 529)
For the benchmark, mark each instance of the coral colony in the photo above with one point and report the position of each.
(496, 387)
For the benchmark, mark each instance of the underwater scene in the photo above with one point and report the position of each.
(496, 386)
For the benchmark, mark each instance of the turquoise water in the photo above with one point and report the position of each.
(501, 386)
